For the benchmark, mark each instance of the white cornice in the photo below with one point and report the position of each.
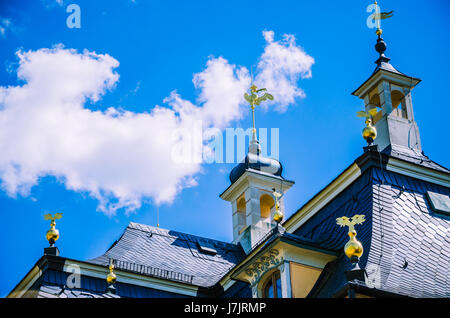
(400, 79)
(257, 178)
(418, 172)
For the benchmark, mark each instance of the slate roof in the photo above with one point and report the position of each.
(56, 291)
(406, 244)
(172, 255)
(53, 284)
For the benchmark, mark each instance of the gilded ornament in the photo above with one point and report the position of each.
(52, 234)
(353, 248)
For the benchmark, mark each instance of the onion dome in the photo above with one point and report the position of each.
(255, 161)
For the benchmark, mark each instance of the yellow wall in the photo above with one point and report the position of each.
(303, 278)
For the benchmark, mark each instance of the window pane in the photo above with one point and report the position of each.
(269, 289)
(278, 287)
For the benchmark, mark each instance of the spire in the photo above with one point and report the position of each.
(380, 46)
(383, 61)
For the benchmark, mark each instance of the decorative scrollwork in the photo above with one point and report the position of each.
(262, 265)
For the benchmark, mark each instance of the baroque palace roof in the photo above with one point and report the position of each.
(407, 247)
(403, 195)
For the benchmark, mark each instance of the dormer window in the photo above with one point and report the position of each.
(272, 286)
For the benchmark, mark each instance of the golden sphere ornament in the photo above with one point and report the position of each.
(111, 278)
(369, 132)
(353, 248)
(278, 216)
(53, 234)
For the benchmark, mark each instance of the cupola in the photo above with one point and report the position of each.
(254, 183)
(389, 92)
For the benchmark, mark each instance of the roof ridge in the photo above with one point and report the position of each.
(158, 230)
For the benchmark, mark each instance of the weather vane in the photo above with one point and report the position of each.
(353, 249)
(255, 100)
(52, 234)
(378, 16)
(369, 132)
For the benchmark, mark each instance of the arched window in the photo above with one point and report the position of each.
(398, 106)
(272, 286)
(266, 203)
(375, 102)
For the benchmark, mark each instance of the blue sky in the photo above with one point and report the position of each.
(160, 45)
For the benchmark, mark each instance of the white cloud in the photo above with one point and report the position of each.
(280, 67)
(4, 25)
(52, 3)
(120, 157)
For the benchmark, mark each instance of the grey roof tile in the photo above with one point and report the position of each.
(171, 255)
(400, 225)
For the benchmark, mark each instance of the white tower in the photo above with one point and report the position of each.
(253, 182)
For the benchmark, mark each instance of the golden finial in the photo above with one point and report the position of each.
(369, 132)
(111, 277)
(52, 234)
(278, 216)
(255, 100)
(353, 249)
